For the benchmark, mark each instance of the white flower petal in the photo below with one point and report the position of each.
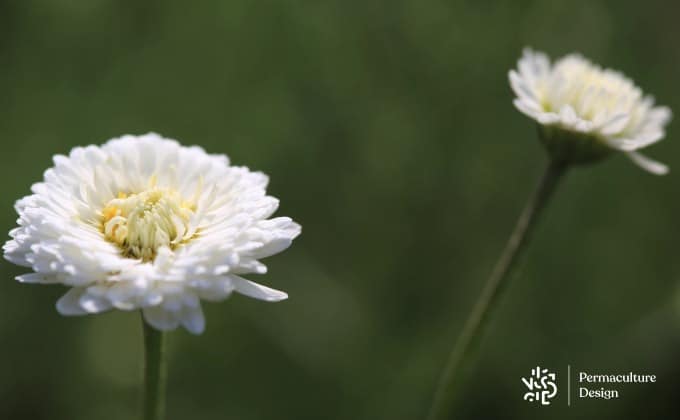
(94, 304)
(528, 108)
(533, 64)
(69, 303)
(257, 291)
(160, 319)
(520, 86)
(192, 319)
(548, 118)
(213, 288)
(37, 278)
(568, 116)
(648, 138)
(615, 124)
(648, 164)
(660, 115)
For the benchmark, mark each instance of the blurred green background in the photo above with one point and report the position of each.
(388, 131)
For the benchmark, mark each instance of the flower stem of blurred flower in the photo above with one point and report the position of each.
(453, 373)
(155, 377)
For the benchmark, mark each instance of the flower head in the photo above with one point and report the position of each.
(586, 112)
(145, 223)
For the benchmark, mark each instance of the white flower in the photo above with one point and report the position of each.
(602, 108)
(142, 222)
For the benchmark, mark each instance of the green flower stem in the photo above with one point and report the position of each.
(155, 377)
(473, 329)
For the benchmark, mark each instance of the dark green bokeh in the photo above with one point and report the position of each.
(388, 132)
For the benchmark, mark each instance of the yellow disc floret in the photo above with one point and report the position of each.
(143, 222)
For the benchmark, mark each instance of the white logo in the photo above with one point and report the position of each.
(541, 385)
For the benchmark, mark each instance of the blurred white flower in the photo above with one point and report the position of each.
(143, 222)
(585, 112)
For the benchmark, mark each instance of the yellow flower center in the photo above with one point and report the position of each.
(141, 223)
